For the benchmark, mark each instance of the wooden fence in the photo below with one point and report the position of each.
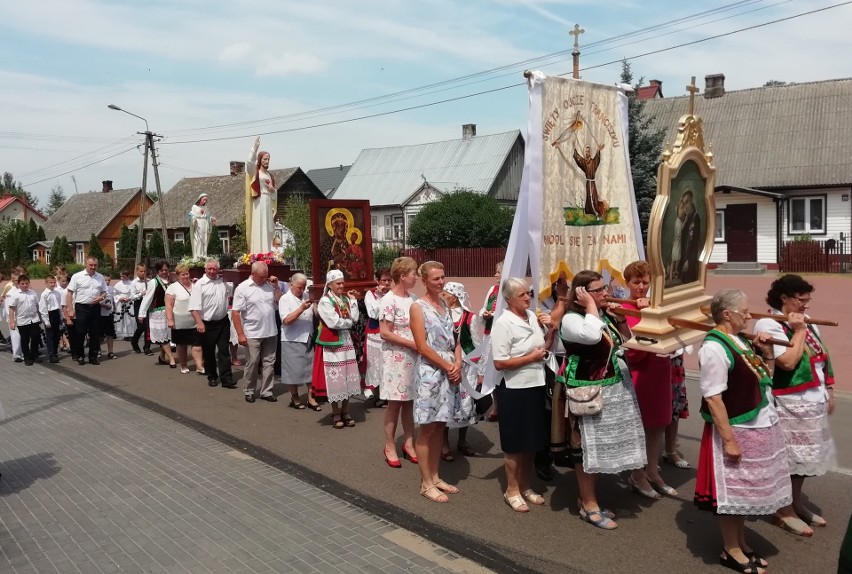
(829, 256)
(462, 262)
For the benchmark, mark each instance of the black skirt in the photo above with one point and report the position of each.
(523, 418)
(185, 337)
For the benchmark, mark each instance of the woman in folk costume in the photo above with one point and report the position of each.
(261, 201)
(742, 464)
(612, 440)
(125, 321)
(803, 385)
(335, 366)
(468, 334)
(154, 307)
(373, 338)
(486, 314)
(199, 226)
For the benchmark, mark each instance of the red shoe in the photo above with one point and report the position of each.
(408, 456)
(391, 463)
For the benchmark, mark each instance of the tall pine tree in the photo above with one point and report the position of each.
(55, 200)
(646, 147)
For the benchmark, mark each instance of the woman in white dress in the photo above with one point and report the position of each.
(263, 196)
(199, 226)
(125, 321)
(398, 356)
(154, 307)
(373, 338)
(297, 319)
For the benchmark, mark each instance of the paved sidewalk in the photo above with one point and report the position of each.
(91, 483)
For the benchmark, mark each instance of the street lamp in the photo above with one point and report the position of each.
(149, 145)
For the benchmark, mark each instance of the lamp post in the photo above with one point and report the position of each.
(149, 145)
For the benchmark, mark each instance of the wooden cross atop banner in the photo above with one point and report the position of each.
(692, 89)
(576, 33)
(575, 53)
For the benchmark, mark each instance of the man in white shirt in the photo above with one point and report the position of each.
(208, 303)
(49, 305)
(23, 316)
(140, 288)
(253, 314)
(85, 292)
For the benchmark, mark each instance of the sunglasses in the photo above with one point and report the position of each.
(598, 290)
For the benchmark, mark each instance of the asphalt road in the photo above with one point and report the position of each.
(665, 536)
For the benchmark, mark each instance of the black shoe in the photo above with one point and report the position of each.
(112, 356)
(135, 348)
(270, 398)
(38, 359)
(148, 352)
(94, 361)
(28, 362)
(249, 398)
(212, 383)
(54, 359)
(544, 472)
(81, 361)
(19, 360)
(229, 385)
(75, 358)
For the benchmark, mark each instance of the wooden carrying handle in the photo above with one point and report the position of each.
(782, 318)
(617, 300)
(675, 322)
(625, 312)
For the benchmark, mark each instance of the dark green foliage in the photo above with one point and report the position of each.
(14, 244)
(383, 257)
(461, 219)
(239, 244)
(60, 252)
(646, 147)
(41, 234)
(178, 248)
(156, 247)
(214, 244)
(39, 270)
(297, 218)
(9, 185)
(95, 248)
(55, 200)
(127, 242)
(32, 232)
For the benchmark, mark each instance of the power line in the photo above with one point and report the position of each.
(483, 92)
(81, 167)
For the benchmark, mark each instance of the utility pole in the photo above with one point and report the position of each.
(150, 138)
(140, 231)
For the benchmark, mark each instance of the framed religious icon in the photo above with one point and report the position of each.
(340, 239)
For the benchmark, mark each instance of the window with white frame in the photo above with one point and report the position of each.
(388, 234)
(720, 226)
(398, 227)
(80, 256)
(806, 214)
(148, 236)
(179, 237)
(115, 250)
(226, 241)
(47, 256)
(35, 255)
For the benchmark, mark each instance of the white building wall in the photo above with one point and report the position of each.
(838, 213)
(380, 232)
(766, 234)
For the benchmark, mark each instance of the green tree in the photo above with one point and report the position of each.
(41, 234)
(239, 244)
(461, 219)
(297, 218)
(60, 252)
(55, 200)
(646, 147)
(95, 250)
(177, 248)
(156, 247)
(9, 185)
(32, 232)
(127, 242)
(214, 244)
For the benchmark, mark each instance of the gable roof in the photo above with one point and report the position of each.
(226, 199)
(789, 136)
(327, 179)
(8, 199)
(86, 213)
(389, 176)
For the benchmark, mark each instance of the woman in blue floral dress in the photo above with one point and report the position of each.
(437, 374)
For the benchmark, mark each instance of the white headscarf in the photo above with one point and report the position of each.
(200, 196)
(457, 290)
(331, 276)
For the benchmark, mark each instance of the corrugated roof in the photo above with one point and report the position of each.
(388, 176)
(226, 198)
(327, 179)
(86, 213)
(791, 136)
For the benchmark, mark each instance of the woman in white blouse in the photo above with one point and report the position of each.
(297, 317)
(180, 321)
(518, 351)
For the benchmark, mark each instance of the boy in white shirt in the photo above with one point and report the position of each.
(62, 289)
(23, 316)
(49, 307)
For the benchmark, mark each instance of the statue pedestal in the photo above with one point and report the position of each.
(654, 333)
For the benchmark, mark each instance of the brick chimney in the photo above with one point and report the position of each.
(107, 186)
(468, 131)
(714, 86)
(237, 167)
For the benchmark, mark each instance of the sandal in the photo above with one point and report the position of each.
(465, 449)
(314, 407)
(749, 567)
(812, 519)
(447, 456)
(516, 502)
(433, 494)
(604, 511)
(444, 487)
(337, 422)
(348, 421)
(597, 518)
(793, 525)
(294, 405)
(380, 403)
(756, 559)
(674, 459)
(533, 497)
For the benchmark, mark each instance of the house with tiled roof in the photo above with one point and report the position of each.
(783, 155)
(400, 181)
(14, 207)
(102, 213)
(226, 198)
(654, 89)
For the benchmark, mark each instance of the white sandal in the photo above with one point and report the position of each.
(675, 459)
(516, 502)
(533, 498)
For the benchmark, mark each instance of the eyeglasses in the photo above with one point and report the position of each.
(740, 313)
(598, 290)
(803, 301)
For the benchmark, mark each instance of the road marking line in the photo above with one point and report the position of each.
(434, 553)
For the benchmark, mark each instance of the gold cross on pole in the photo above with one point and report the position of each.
(692, 89)
(576, 33)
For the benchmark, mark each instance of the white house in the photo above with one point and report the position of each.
(784, 163)
(16, 207)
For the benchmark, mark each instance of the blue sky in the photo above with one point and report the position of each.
(190, 65)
